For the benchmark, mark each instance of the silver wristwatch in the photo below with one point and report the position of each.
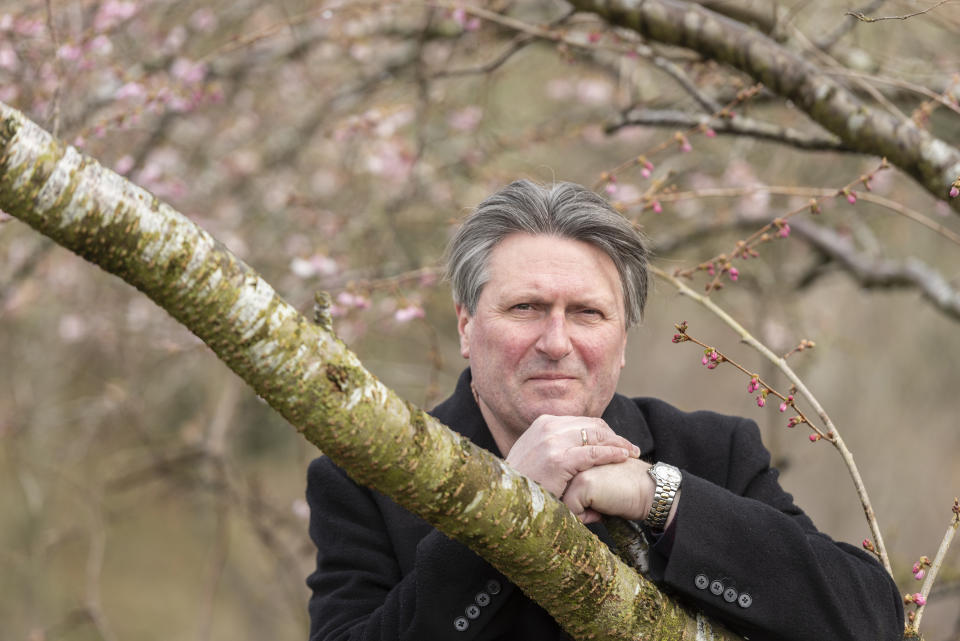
(667, 479)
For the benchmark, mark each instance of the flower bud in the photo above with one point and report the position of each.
(814, 438)
(783, 407)
(919, 574)
(919, 599)
(734, 273)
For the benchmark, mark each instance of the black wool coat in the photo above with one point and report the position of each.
(739, 549)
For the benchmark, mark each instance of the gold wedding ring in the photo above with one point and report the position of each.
(583, 436)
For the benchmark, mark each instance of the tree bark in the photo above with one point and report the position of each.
(930, 161)
(309, 376)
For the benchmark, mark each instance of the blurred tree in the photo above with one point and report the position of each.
(330, 144)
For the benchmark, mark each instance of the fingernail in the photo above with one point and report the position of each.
(636, 451)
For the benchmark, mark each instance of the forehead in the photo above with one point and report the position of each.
(552, 266)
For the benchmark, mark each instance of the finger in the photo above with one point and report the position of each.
(589, 516)
(601, 434)
(583, 458)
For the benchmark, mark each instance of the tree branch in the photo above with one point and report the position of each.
(930, 161)
(739, 126)
(877, 273)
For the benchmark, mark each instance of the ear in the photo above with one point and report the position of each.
(464, 327)
(623, 352)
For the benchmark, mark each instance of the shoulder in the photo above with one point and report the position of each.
(702, 438)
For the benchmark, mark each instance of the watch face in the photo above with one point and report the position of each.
(668, 473)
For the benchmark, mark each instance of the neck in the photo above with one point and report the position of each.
(502, 436)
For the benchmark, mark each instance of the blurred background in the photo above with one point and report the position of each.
(146, 493)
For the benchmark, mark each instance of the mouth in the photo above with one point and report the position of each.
(550, 377)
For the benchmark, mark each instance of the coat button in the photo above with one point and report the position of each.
(472, 611)
(482, 599)
(717, 588)
(461, 624)
(745, 600)
(701, 581)
(493, 586)
(730, 595)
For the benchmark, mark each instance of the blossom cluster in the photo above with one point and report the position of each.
(920, 568)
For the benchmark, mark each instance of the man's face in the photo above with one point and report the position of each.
(549, 332)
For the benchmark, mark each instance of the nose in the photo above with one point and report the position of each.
(554, 341)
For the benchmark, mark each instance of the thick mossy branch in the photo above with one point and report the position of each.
(320, 387)
(930, 161)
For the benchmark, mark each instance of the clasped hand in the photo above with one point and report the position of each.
(582, 461)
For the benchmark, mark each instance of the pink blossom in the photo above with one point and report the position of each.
(783, 407)
(112, 13)
(814, 438)
(203, 20)
(69, 52)
(919, 574)
(754, 385)
(784, 231)
(919, 599)
(761, 401)
(8, 58)
(734, 273)
(101, 45)
(714, 356)
(954, 191)
(610, 188)
(686, 146)
(466, 119)
(704, 360)
(408, 313)
(711, 269)
(348, 299)
(131, 90)
(852, 197)
(711, 365)
(594, 91)
(867, 544)
(188, 71)
(646, 173)
(710, 133)
(657, 207)
(9, 93)
(792, 422)
(124, 165)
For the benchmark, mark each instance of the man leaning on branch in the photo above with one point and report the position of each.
(546, 283)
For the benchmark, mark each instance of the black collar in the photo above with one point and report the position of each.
(462, 414)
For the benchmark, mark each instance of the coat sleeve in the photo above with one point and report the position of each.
(360, 591)
(745, 554)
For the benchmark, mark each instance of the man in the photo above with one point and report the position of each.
(546, 282)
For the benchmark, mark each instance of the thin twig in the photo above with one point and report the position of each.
(938, 561)
(826, 43)
(864, 18)
(802, 389)
(809, 192)
(739, 126)
(58, 63)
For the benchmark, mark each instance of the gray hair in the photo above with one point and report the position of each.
(564, 209)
